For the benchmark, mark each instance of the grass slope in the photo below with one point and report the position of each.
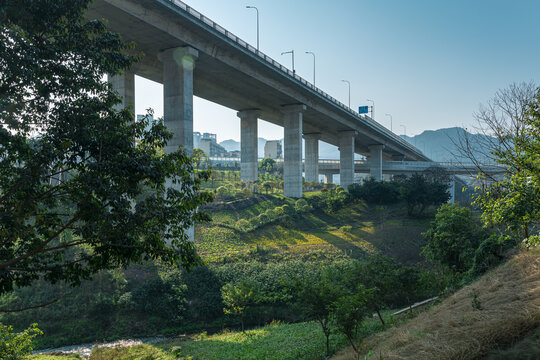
(389, 231)
(509, 301)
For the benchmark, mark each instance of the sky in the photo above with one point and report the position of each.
(428, 63)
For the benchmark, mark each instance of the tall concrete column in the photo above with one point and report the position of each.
(292, 166)
(124, 85)
(452, 190)
(328, 178)
(178, 65)
(311, 167)
(375, 161)
(248, 144)
(346, 158)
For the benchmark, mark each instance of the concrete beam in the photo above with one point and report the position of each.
(375, 161)
(124, 85)
(292, 162)
(311, 166)
(346, 158)
(178, 65)
(249, 163)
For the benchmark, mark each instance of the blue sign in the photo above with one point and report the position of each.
(363, 109)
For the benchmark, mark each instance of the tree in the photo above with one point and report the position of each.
(349, 311)
(237, 298)
(511, 121)
(77, 193)
(316, 296)
(419, 193)
(17, 346)
(267, 165)
(453, 237)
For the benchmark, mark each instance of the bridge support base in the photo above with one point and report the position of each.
(346, 158)
(249, 144)
(311, 166)
(375, 161)
(328, 178)
(292, 166)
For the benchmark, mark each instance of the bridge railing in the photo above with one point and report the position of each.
(366, 119)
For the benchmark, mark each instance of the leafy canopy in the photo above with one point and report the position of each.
(77, 193)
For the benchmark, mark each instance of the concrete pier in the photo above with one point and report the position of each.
(375, 161)
(249, 163)
(311, 167)
(346, 158)
(292, 167)
(124, 85)
(328, 178)
(178, 65)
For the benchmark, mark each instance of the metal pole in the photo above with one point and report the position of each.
(390, 121)
(372, 109)
(253, 7)
(347, 81)
(404, 129)
(309, 52)
(292, 53)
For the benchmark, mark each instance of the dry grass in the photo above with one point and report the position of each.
(509, 298)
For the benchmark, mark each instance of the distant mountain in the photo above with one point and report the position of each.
(440, 145)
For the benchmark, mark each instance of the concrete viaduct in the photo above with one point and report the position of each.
(191, 55)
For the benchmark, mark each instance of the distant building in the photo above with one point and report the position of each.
(272, 149)
(208, 144)
(196, 139)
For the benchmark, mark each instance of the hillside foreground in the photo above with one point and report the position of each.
(496, 311)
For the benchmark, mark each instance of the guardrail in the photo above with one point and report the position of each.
(269, 61)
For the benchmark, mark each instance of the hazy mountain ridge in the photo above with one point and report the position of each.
(438, 145)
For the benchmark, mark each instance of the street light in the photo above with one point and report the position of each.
(404, 129)
(309, 52)
(372, 108)
(292, 53)
(347, 81)
(390, 121)
(253, 7)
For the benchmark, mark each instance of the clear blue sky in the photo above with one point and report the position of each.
(429, 63)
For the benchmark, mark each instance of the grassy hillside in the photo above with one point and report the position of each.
(494, 312)
(386, 229)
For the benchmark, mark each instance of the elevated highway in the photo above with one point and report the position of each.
(192, 55)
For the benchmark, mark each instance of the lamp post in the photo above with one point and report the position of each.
(372, 109)
(404, 129)
(348, 82)
(312, 53)
(257, 10)
(390, 121)
(292, 53)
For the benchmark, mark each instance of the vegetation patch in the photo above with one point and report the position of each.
(509, 299)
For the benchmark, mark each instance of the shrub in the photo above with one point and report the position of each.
(453, 238)
(242, 224)
(376, 192)
(17, 346)
(345, 228)
(301, 205)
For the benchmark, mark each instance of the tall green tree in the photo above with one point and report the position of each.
(77, 193)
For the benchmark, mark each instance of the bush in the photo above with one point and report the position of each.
(453, 238)
(376, 192)
(17, 346)
(490, 252)
(345, 228)
(242, 224)
(301, 205)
